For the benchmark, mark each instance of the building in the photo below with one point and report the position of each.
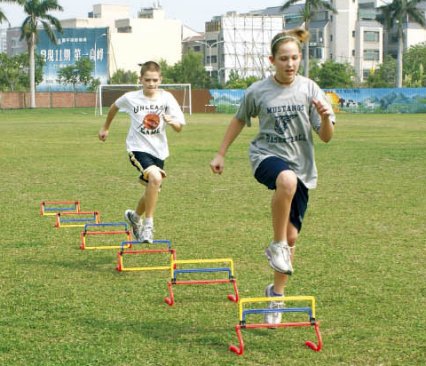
(3, 40)
(110, 38)
(236, 43)
(351, 36)
(131, 41)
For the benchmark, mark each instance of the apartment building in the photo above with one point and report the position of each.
(352, 36)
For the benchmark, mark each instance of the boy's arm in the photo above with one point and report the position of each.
(173, 124)
(234, 129)
(103, 132)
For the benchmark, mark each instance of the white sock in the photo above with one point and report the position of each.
(281, 242)
(148, 221)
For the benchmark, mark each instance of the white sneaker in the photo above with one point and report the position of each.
(147, 235)
(273, 318)
(137, 226)
(279, 257)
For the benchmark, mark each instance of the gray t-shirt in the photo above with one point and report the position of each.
(286, 120)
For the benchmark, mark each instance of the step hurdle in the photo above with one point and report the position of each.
(129, 244)
(310, 310)
(175, 271)
(91, 230)
(51, 208)
(76, 219)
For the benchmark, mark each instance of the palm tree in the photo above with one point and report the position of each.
(397, 13)
(37, 11)
(3, 17)
(308, 12)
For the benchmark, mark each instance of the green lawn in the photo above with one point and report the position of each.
(361, 252)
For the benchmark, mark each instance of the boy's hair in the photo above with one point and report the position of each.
(149, 66)
(297, 35)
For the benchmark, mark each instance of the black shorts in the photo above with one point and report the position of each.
(267, 173)
(141, 161)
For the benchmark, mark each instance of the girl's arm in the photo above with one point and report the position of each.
(103, 132)
(327, 127)
(234, 129)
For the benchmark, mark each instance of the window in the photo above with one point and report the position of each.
(353, 52)
(353, 34)
(370, 36)
(366, 73)
(371, 55)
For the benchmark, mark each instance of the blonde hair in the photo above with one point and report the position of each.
(297, 35)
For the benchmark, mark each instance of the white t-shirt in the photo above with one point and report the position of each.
(144, 134)
(286, 120)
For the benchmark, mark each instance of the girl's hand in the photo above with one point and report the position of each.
(103, 134)
(323, 109)
(217, 164)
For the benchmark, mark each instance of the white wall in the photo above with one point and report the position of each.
(150, 39)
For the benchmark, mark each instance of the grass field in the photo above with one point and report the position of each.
(361, 252)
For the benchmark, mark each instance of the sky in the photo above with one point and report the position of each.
(193, 13)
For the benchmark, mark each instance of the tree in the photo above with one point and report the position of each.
(236, 82)
(384, 75)
(2, 17)
(37, 11)
(189, 70)
(335, 75)
(398, 13)
(14, 71)
(415, 66)
(308, 12)
(79, 74)
(124, 77)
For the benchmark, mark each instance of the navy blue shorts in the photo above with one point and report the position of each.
(267, 173)
(141, 161)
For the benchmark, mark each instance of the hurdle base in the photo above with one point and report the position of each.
(239, 350)
(171, 299)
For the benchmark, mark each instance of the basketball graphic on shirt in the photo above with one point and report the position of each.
(151, 121)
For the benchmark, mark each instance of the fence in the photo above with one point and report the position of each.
(384, 100)
(19, 100)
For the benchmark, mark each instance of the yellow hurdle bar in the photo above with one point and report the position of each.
(133, 269)
(103, 247)
(200, 261)
(278, 298)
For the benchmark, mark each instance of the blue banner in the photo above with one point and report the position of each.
(73, 44)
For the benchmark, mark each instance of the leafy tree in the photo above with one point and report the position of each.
(14, 71)
(415, 65)
(397, 13)
(384, 76)
(78, 74)
(124, 77)
(336, 75)
(189, 70)
(308, 12)
(37, 11)
(314, 70)
(235, 82)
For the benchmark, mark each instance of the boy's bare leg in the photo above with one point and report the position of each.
(140, 208)
(151, 194)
